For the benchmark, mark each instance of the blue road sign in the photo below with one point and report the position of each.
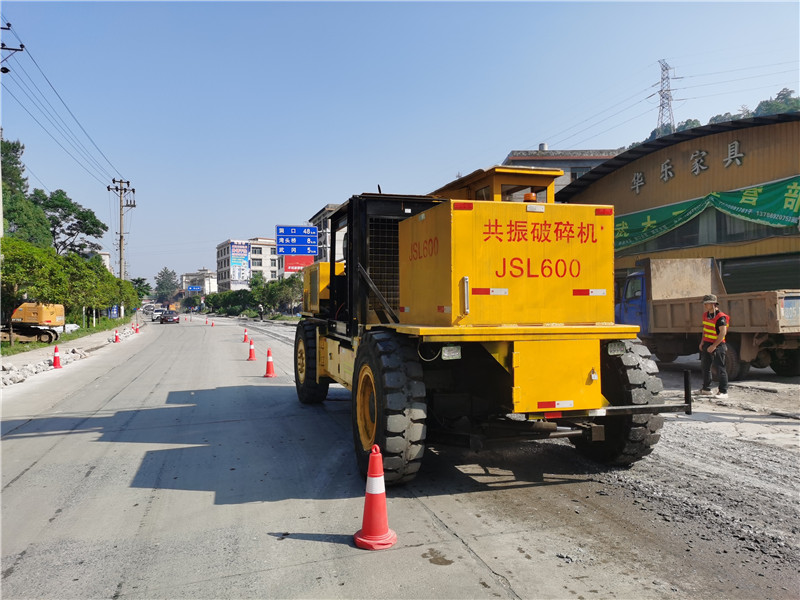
(194, 288)
(297, 240)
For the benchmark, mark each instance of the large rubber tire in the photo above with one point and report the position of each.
(786, 363)
(388, 405)
(626, 379)
(309, 391)
(47, 336)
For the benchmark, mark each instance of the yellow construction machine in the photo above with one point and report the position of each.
(483, 311)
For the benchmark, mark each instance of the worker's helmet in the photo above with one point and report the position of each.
(710, 299)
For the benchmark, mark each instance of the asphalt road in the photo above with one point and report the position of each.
(168, 466)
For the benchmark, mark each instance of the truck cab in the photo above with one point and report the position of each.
(632, 306)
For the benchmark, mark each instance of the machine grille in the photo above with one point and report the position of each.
(382, 240)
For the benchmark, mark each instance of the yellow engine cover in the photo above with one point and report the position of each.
(507, 263)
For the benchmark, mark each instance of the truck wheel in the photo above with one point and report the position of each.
(666, 357)
(733, 365)
(305, 365)
(626, 379)
(786, 363)
(388, 405)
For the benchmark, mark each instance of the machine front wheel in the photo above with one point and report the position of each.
(309, 390)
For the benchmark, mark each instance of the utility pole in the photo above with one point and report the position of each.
(665, 107)
(126, 200)
(5, 48)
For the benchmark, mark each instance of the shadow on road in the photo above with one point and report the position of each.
(258, 444)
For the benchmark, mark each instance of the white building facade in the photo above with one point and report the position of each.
(239, 260)
(204, 279)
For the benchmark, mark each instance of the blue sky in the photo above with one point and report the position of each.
(231, 118)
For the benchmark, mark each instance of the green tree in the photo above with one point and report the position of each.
(687, 124)
(167, 285)
(23, 220)
(71, 224)
(82, 280)
(29, 272)
(106, 292)
(783, 102)
(13, 169)
(142, 287)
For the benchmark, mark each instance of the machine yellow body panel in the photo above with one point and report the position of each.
(316, 284)
(32, 313)
(572, 382)
(481, 263)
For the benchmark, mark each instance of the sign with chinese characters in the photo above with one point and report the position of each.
(696, 165)
(296, 240)
(775, 204)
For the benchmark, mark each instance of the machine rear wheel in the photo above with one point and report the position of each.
(626, 379)
(309, 391)
(388, 405)
(46, 336)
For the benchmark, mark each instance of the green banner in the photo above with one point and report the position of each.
(774, 204)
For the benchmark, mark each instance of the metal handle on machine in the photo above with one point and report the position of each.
(465, 287)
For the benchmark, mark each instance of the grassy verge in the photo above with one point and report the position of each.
(103, 324)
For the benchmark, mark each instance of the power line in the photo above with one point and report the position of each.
(67, 135)
(55, 91)
(50, 134)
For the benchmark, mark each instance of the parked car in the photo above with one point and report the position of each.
(169, 316)
(157, 314)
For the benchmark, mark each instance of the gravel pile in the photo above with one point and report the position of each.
(736, 492)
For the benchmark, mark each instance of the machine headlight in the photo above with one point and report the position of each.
(615, 348)
(451, 352)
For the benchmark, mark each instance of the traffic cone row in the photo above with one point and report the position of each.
(375, 533)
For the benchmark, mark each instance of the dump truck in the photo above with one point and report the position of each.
(35, 322)
(664, 298)
(469, 317)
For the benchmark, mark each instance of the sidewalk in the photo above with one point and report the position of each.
(18, 367)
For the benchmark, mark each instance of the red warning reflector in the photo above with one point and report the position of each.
(590, 292)
(480, 291)
(552, 415)
(405, 309)
(547, 404)
(604, 211)
(462, 205)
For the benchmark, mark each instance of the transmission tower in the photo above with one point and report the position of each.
(665, 116)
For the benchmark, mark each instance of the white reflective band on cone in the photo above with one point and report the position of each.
(375, 485)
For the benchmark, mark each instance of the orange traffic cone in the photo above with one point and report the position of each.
(116, 336)
(206, 320)
(137, 328)
(56, 359)
(270, 367)
(245, 334)
(252, 351)
(212, 323)
(375, 533)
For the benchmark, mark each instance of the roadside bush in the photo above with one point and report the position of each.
(232, 311)
(249, 313)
